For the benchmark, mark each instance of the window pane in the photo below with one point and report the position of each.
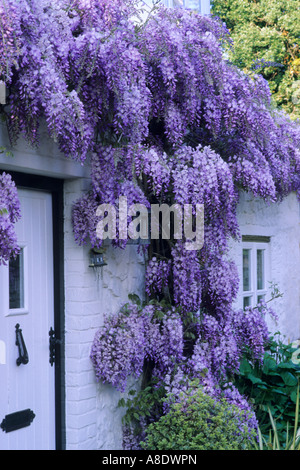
(193, 5)
(246, 270)
(247, 302)
(16, 281)
(260, 297)
(178, 3)
(260, 269)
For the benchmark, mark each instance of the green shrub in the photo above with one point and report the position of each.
(292, 435)
(200, 422)
(272, 387)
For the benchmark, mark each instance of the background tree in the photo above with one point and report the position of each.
(265, 36)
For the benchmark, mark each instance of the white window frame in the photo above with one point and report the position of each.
(204, 5)
(8, 312)
(254, 292)
(185, 4)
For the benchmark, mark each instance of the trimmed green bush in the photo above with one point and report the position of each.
(199, 422)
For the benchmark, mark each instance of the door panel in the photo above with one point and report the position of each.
(27, 300)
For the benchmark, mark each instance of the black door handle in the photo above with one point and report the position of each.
(23, 354)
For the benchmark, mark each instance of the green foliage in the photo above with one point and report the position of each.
(142, 404)
(8, 153)
(266, 32)
(199, 422)
(273, 443)
(272, 387)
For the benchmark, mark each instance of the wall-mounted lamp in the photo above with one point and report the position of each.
(97, 258)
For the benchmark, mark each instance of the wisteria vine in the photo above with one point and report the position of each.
(165, 118)
(10, 213)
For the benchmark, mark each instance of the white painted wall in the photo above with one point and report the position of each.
(28, 160)
(280, 221)
(93, 420)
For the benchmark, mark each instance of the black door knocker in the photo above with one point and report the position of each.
(23, 354)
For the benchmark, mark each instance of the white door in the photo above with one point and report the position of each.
(27, 391)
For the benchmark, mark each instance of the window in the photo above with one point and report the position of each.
(255, 270)
(16, 281)
(200, 6)
(16, 292)
(189, 4)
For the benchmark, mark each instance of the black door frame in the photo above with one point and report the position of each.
(55, 187)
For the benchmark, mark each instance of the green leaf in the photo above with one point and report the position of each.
(245, 367)
(3, 211)
(255, 380)
(269, 364)
(121, 402)
(289, 379)
(286, 365)
(279, 391)
(135, 299)
(293, 396)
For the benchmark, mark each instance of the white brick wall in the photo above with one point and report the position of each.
(93, 420)
(281, 222)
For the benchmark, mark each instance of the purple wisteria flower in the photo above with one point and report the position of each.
(10, 212)
(126, 340)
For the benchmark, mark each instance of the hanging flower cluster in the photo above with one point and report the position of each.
(119, 348)
(9, 214)
(126, 340)
(10, 33)
(157, 275)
